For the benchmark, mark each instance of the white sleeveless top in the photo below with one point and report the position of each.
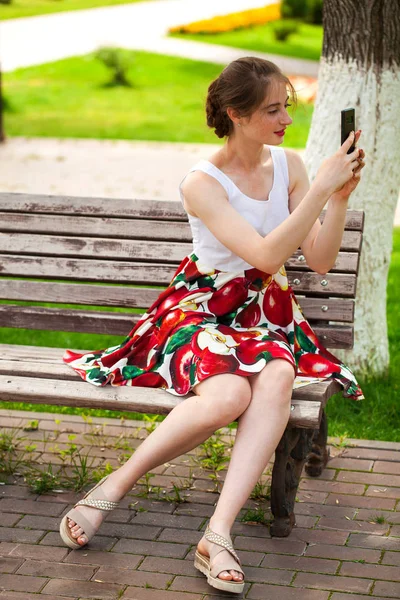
(263, 215)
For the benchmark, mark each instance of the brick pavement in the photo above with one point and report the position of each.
(346, 545)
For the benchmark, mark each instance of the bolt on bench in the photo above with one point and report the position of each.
(52, 250)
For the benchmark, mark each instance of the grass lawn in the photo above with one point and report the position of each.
(306, 43)
(71, 98)
(30, 8)
(377, 417)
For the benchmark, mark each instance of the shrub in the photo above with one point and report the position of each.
(294, 9)
(283, 29)
(314, 12)
(118, 61)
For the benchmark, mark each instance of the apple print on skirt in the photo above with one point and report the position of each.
(208, 322)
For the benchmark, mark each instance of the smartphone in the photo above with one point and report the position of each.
(348, 125)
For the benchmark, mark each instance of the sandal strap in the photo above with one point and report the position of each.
(101, 504)
(218, 539)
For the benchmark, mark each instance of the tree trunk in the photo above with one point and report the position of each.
(360, 68)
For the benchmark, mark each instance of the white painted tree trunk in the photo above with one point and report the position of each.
(375, 96)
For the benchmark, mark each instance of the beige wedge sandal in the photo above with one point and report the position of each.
(203, 563)
(95, 498)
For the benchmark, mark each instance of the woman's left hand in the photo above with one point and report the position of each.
(351, 185)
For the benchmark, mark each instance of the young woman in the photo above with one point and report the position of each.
(228, 327)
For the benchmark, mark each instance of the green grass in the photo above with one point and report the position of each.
(306, 43)
(70, 98)
(30, 8)
(377, 417)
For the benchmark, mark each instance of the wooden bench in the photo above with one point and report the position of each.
(52, 249)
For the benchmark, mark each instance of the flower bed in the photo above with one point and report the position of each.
(233, 21)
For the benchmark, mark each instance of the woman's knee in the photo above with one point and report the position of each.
(227, 396)
(276, 379)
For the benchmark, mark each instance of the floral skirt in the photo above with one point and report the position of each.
(208, 322)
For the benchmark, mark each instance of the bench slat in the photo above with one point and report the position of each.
(323, 309)
(125, 208)
(64, 392)
(21, 354)
(340, 285)
(119, 324)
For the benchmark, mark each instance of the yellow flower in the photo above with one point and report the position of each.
(219, 24)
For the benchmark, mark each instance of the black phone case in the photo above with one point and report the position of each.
(348, 124)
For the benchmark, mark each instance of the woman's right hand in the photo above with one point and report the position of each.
(336, 170)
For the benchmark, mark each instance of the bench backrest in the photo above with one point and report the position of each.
(94, 251)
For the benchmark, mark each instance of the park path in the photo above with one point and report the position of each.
(345, 545)
(141, 26)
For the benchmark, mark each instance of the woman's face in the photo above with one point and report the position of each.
(268, 122)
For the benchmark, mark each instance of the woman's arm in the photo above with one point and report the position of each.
(206, 197)
(322, 244)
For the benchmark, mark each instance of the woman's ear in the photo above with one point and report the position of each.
(233, 114)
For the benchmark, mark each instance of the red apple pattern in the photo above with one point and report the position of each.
(208, 322)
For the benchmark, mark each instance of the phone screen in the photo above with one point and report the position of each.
(348, 124)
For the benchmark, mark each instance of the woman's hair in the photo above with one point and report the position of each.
(242, 85)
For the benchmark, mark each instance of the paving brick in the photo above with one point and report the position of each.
(13, 534)
(395, 531)
(360, 502)
(349, 525)
(111, 559)
(33, 551)
(380, 479)
(17, 491)
(157, 548)
(343, 553)
(196, 585)
(146, 594)
(383, 492)
(25, 596)
(164, 520)
(370, 515)
(319, 536)
(88, 589)
(279, 592)
(332, 583)
(383, 466)
(130, 577)
(9, 519)
(350, 464)
(21, 583)
(30, 507)
(391, 558)
(169, 565)
(41, 568)
(9, 565)
(300, 563)
(99, 542)
(38, 522)
(370, 571)
(324, 510)
(261, 575)
(339, 596)
(310, 496)
(129, 530)
(373, 454)
(195, 510)
(159, 506)
(390, 589)
(277, 545)
(182, 536)
(332, 486)
(373, 541)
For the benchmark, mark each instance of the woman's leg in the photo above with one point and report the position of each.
(220, 400)
(259, 430)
